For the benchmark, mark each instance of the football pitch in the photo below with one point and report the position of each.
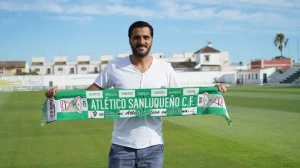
(265, 134)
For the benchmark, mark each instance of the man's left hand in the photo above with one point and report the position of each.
(221, 87)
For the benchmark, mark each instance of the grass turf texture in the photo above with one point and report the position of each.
(265, 133)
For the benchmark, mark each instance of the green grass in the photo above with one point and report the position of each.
(265, 133)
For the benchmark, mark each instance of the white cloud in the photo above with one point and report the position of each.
(61, 6)
(259, 13)
(39, 6)
(214, 13)
(247, 3)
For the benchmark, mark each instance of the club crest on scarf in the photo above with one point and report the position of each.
(207, 100)
(71, 105)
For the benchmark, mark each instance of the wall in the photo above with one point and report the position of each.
(250, 77)
(185, 78)
(255, 64)
(286, 62)
(282, 67)
(93, 66)
(268, 71)
(72, 66)
(255, 77)
(63, 72)
(40, 67)
(86, 66)
(278, 64)
(237, 67)
(224, 61)
(197, 78)
(214, 59)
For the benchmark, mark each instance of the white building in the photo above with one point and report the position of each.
(122, 55)
(11, 68)
(255, 76)
(157, 55)
(182, 62)
(104, 60)
(205, 59)
(39, 65)
(85, 66)
(239, 67)
(61, 65)
(211, 59)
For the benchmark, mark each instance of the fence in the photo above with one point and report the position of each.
(44, 82)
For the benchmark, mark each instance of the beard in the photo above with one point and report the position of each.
(138, 53)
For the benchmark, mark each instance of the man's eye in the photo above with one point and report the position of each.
(139, 37)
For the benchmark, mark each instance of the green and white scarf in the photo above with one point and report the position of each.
(137, 103)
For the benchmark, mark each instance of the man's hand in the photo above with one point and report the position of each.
(221, 87)
(51, 92)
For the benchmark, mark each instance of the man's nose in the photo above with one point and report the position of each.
(141, 40)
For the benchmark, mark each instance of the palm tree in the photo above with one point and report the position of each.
(279, 41)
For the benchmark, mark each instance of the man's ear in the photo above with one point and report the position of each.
(129, 40)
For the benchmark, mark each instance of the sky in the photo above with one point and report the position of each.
(244, 28)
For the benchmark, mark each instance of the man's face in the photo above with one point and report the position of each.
(141, 41)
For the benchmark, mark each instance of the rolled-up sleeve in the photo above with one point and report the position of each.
(173, 80)
(104, 80)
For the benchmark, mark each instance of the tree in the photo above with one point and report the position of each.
(280, 41)
(240, 63)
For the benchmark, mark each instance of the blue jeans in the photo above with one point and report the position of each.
(125, 157)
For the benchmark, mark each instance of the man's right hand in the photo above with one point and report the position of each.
(51, 92)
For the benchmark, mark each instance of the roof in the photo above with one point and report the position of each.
(254, 70)
(37, 63)
(60, 63)
(281, 58)
(83, 62)
(207, 49)
(183, 64)
(104, 62)
(12, 64)
(251, 70)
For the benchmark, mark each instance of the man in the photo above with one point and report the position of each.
(136, 142)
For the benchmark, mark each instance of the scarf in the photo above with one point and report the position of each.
(137, 103)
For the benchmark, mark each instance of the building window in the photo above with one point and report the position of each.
(19, 71)
(248, 76)
(96, 69)
(206, 58)
(49, 71)
(1, 72)
(72, 71)
(252, 76)
(83, 68)
(60, 69)
(256, 76)
(37, 69)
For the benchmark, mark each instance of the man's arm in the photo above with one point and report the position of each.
(103, 80)
(94, 86)
(221, 87)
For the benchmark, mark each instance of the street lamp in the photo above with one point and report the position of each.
(298, 52)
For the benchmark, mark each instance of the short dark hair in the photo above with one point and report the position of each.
(139, 24)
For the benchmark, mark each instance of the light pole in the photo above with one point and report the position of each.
(298, 52)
